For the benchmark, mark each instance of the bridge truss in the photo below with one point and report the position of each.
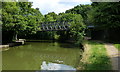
(54, 26)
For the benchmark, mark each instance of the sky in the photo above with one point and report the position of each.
(57, 6)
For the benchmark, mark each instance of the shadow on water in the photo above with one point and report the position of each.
(61, 44)
(70, 45)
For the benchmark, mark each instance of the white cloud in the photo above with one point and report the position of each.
(56, 6)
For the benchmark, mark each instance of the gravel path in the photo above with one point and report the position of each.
(114, 55)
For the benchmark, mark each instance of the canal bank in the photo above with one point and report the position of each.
(94, 57)
(15, 43)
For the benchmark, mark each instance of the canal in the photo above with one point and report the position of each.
(31, 55)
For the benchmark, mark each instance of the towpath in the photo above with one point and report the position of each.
(114, 55)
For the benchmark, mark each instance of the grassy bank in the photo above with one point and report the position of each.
(117, 46)
(95, 57)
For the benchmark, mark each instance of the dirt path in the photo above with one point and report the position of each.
(114, 55)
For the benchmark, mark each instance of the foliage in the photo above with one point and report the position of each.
(76, 25)
(106, 14)
(82, 10)
(20, 17)
(53, 15)
(117, 46)
(50, 17)
(9, 12)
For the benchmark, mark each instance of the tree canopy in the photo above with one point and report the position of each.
(105, 15)
(20, 17)
(80, 9)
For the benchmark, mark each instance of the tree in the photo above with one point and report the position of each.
(106, 15)
(76, 26)
(50, 17)
(33, 17)
(52, 14)
(19, 17)
(11, 17)
(80, 9)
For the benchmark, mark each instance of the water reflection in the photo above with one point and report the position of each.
(55, 66)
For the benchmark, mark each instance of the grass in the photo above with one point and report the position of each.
(117, 46)
(96, 57)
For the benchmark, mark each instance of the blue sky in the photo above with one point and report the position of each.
(56, 6)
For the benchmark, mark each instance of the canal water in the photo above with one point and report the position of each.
(31, 55)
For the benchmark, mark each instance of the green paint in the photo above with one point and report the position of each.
(31, 55)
